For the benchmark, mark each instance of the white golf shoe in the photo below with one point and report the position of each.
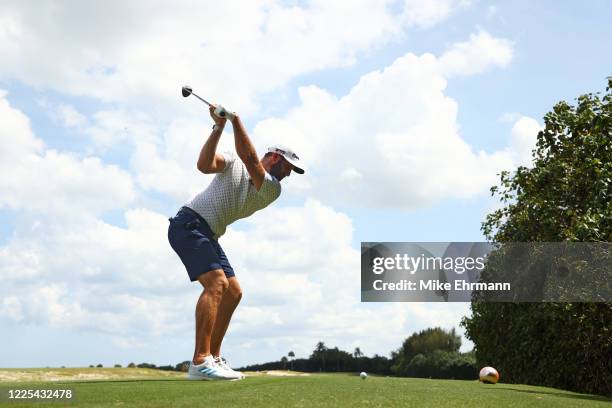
(209, 370)
(223, 363)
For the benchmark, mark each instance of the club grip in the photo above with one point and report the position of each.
(221, 112)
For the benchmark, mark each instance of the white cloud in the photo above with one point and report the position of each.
(479, 54)
(393, 140)
(68, 116)
(15, 133)
(107, 279)
(303, 279)
(299, 274)
(356, 149)
(127, 280)
(428, 13)
(289, 236)
(52, 183)
(162, 156)
(523, 137)
(509, 117)
(168, 164)
(11, 308)
(121, 127)
(155, 47)
(58, 183)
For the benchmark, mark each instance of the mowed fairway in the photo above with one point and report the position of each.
(325, 390)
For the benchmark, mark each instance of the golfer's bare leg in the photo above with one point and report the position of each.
(215, 283)
(231, 298)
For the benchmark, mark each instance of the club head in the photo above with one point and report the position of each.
(187, 91)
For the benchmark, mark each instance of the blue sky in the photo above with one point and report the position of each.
(404, 112)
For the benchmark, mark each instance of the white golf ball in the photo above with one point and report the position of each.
(363, 375)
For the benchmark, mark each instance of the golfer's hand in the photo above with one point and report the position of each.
(218, 121)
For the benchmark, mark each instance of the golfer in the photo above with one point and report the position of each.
(243, 185)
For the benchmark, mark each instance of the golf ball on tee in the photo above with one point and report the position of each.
(363, 375)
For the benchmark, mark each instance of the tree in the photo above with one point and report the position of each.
(565, 196)
(131, 365)
(291, 356)
(357, 353)
(423, 344)
(182, 366)
(284, 360)
(319, 354)
(320, 347)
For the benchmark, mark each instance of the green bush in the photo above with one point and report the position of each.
(565, 196)
(434, 353)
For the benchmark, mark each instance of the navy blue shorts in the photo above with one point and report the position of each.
(192, 240)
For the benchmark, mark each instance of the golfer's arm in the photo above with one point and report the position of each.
(209, 161)
(248, 155)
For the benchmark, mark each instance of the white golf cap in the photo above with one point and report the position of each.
(289, 155)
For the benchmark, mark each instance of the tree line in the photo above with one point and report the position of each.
(430, 353)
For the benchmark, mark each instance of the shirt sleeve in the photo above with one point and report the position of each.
(230, 159)
(270, 188)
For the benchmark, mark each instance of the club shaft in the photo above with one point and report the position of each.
(202, 99)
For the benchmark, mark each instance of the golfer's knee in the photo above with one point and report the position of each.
(218, 286)
(234, 290)
(214, 282)
(236, 294)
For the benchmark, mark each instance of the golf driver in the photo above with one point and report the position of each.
(220, 111)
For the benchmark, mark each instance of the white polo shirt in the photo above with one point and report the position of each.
(231, 195)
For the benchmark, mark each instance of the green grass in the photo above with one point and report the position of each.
(340, 390)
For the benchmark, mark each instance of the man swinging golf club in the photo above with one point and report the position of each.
(239, 188)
